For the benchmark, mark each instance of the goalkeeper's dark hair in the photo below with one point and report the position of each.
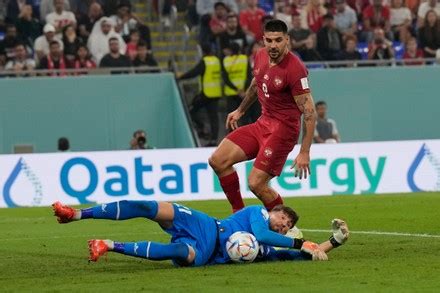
(288, 212)
(275, 25)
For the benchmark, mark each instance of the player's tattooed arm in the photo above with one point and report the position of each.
(302, 161)
(249, 98)
(307, 107)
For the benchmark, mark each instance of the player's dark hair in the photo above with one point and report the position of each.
(320, 103)
(288, 212)
(275, 25)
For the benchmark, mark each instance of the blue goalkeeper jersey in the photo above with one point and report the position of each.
(254, 220)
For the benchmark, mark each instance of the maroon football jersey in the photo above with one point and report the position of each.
(278, 84)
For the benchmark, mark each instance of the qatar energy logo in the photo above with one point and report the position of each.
(24, 184)
(425, 164)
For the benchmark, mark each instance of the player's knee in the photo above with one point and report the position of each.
(185, 254)
(255, 185)
(216, 163)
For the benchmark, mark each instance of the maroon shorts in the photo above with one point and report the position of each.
(269, 141)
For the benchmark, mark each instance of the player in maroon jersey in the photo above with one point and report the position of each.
(280, 82)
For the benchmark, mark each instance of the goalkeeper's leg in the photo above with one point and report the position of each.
(161, 212)
(181, 253)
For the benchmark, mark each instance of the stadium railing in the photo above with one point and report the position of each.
(173, 67)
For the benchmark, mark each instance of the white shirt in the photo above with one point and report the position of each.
(41, 44)
(424, 7)
(399, 15)
(61, 20)
(28, 63)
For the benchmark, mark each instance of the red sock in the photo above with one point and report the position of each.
(231, 187)
(278, 200)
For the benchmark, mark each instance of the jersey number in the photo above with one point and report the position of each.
(183, 209)
(266, 94)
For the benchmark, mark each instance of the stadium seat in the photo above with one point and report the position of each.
(399, 50)
(362, 48)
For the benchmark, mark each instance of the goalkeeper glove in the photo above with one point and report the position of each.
(340, 232)
(314, 250)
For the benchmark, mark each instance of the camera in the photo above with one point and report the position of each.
(141, 140)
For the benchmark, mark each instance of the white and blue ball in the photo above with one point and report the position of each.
(242, 247)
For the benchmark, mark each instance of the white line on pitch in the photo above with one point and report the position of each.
(305, 230)
(377, 233)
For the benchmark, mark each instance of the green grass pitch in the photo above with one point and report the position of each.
(38, 254)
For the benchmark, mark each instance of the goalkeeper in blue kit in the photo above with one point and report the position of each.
(198, 239)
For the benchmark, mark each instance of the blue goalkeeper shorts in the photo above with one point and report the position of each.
(196, 229)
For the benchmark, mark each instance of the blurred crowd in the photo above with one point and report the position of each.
(327, 30)
(63, 34)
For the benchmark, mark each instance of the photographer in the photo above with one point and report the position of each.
(139, 141)
(380, 48)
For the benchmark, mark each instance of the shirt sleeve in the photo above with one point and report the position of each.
(299, 83)
(285, 254)
(334, 129)
(199, 69)
(261, 230)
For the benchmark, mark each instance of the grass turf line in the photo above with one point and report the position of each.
(38, 254)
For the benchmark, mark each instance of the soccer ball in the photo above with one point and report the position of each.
(242, 247)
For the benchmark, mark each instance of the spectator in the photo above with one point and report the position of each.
(28, 27)
(71, 43)
(376, 15)
(132, 45)
(429, 35)
(100, 36)
(358, 6)
(47, 7)
(315, 12)
(237, 77)
(400, 21)
(81, 7)
(299, 36)
(251, 21)
(3, 12)
(380, 48)
(60, 18)
(86, 22)
(124, 20)
(345, 19)
(233, 33)
(209, 70)
(412, 52)
(217, 24)
(7, 46)
(284, 13)
(309, 53)
(424, 8)
(115, 58)
(13, 10)
(144, 58)
(41, 45)
(54, 60)
(329, 39)
(139, 141)
(206, 7)
(63, 144)
(350, 52)
(21, 64)
(326, 130)
(83, 59)
(253, 49)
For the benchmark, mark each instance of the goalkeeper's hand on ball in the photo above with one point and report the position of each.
(340, 232)
(314, 250)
